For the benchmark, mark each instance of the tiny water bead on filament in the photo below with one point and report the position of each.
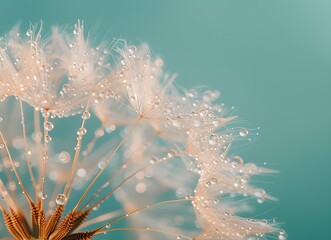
(97, 142)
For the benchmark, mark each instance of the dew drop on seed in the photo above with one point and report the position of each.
(86, 115)
(60, 199)
(214, 181)
(237, 161)
(96, 207)
(243, 132)
(132, 49)
(213, 139)
(282, 235)
(101, 164)
(81, 131)
(48, 138)
(259, 193)
(48, 126)
(153, 160)
(211, 114)
(188, 197)
(208, 184)
(260, 200)
(215, 123)
(43, 196)
(29, 33)
(170, 154)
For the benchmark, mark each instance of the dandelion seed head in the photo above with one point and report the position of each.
(92, 136)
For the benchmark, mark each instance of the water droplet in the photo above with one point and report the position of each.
(81, 131)
(86, 115)
(43, 196)
(48, 126)
(192, 93)
(96, 207)
(243, 132)
(29, 33)
(48, 138)
(132, 49)
(237, 161)
(260, 194)
(171, 154)
(213, 139)
(101, 164)
(215, 123)
(188, 197)
(282, 235)
(108, 225)
(60, 199)
(211, 182)
(214, 180)
(211, 114)
(153, 160)
(260, 200)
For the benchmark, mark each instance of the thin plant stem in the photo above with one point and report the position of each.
(107, 163)
(25, 193)
(27, 153)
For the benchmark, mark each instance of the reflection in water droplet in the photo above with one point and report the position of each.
(60, 199)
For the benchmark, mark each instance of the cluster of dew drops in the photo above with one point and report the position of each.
(64, 157)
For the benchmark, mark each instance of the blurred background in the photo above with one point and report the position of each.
(270, 59)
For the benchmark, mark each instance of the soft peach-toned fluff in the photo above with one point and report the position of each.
(98, 142)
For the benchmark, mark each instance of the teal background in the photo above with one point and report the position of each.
(269, 58)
